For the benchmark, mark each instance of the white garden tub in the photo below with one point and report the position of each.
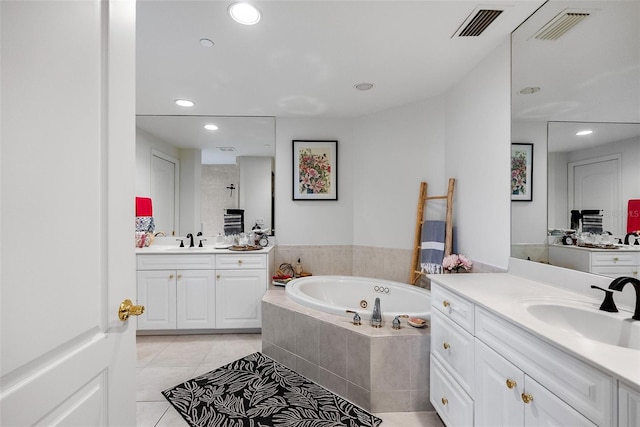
(337, 294)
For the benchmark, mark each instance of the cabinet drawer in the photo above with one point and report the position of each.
(453, 306)
(454, 348)
(231, 262)
(176, 262)
(614, 258)
(583, 387)
(452, 403)
(613, 272)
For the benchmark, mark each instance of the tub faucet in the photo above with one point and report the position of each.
(376, 316)
(619, 283)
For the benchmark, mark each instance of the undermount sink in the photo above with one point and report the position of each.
(588, 321)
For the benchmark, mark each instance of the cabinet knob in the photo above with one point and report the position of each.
(446, 345)
(179, 276)
(511, 383)
(239, 261)
(527, 398)
(444, 400)
(616, 259)
(446, 303)
(218, 276)
(171, 276)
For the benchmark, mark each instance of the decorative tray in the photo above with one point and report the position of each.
(245, 248)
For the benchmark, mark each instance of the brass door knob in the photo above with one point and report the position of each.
(128, 309)
(527, 398)
(511, 383)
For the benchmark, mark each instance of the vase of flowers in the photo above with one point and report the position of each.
(454, 263)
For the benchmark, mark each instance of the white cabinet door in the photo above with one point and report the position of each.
(238, 298)
(157, 292)
(498, 386)
(195, 299)
(546, 409)
(629, 407)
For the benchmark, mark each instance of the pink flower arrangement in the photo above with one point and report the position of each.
(314, 172)
(456, 262)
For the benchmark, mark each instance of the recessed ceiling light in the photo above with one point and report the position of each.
(529, 90)
(364, 86)
(584, 132)
(206, 42)
(184, 103)
(210, 126)
(244, 13)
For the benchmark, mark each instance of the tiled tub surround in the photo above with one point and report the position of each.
(366, 261)
(381, 370)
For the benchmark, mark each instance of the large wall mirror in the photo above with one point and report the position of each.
(576, 67)
(196, 168)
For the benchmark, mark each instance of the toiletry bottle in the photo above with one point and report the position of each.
(298, 268)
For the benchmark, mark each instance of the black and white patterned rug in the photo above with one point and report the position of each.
(257, 391)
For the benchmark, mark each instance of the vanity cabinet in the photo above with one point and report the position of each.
(607, 262)
(178, 291)
(505, 396)
(491, 371)
(201, 290)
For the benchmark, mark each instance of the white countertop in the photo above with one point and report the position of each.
(616, 249)
(501, 292)
(207, 249)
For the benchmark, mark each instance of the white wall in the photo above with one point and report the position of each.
(255, 190)
(529, 219)
(397, 149)
(477, 154)
(314, 222)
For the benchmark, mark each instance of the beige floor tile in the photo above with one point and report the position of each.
(149, 413)
(151, 381)
(410, 419)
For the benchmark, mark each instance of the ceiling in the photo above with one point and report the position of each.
(304, 57)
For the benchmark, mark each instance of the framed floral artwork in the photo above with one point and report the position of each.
(315, 170)
(521, 172)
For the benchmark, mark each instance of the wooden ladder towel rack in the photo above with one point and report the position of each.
(416, 271)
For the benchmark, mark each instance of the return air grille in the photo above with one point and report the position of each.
(559, 25)
(225, 149)
(478, 23)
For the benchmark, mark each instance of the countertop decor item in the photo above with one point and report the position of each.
(260, 391)
(315, 170)
(454, 263)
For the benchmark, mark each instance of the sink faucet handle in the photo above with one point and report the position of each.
(608, 304)
(181, 242)
(357, 320)
(201, 240)
(396, 321)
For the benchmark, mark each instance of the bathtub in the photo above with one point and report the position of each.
(337, 294)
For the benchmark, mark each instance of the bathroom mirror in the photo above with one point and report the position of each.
(575, 66)
(225, 162)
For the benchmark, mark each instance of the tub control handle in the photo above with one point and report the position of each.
(357, 320)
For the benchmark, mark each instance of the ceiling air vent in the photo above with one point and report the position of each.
(477, 22)
(226, 149)
(560, 24)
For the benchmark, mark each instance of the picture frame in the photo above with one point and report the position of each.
(315, 170)
(521, 172)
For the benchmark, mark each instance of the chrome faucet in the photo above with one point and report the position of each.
(619, 283)
(376, 316)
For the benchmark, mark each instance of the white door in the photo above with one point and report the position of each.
(67, 172)
(164, 177)
(595, 184)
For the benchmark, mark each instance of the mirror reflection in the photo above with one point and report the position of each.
(197, 168)
(583, 75)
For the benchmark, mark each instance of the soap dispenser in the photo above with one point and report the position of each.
(298, 268)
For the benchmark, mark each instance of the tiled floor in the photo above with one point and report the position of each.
(164, 361)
